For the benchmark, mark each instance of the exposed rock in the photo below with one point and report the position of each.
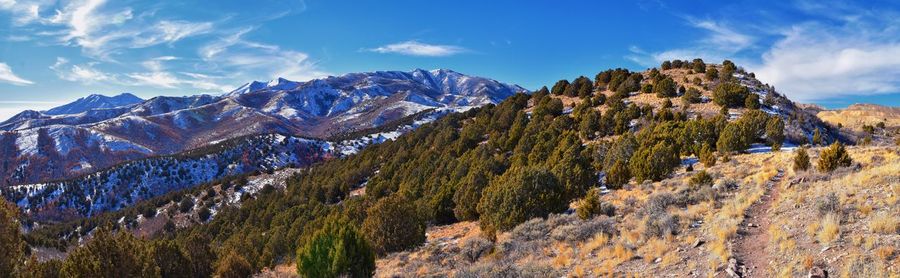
(697, 243)
(817, 272)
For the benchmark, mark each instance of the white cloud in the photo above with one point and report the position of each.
(7, 76)
(241, 59)
(155, 79)
(158, 77)
(85, 74)
(814, 61)
(414, 48)
(99, 27)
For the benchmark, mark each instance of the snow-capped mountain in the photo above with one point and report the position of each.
(40, 146)
(95, 101)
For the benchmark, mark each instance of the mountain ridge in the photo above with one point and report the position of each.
(162, 125)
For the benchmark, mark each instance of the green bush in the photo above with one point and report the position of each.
(109, 255)
(665, 88)
(700, 179)
(775, 132)
(833, 157)
(590, 206)
(706, 156)
(730, 95)
(711, 73)
(691, 96)
(336, 250)
(617, 175)
(11, 241)
(752, 101)
(393, 224)
(698, 65)
(654, 162)
(560, 87)
(233, 265)
(518, 195)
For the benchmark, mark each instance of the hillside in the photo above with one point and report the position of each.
(857, 115)
(708, 227)
(42, 146)
(618, 146)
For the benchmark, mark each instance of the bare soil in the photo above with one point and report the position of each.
(753, 234)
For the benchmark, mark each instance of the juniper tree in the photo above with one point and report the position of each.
(833, 157)
(336, 250)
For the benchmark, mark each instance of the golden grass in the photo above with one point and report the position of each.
(654, 248)
(598, 241)
(670, 259)
(622, 253)
(884, 223)
(787, 270)
(812, 229)
(808, 262)
(865, 209)
(831, 228)
(885, 252)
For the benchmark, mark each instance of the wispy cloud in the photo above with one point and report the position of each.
(158, 76)
(718, 42)
(415, 48)
(243, 57)
(85, 74)
(7, 76)
(99, 28)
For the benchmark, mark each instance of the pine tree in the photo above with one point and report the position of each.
(393, 224)
(817, 138)
(654, 162)
(775, 132)
(730, 95)
(108, 255)
(706, 156)
(801, 159)
(336, 250)
(468, 194)
(699, 66)
(732, 138)
(692, 95)
(590, 124)
(11, 241)
(711, 73)
(833, 157)
(665, 88)
(518, 195)
(233, 265)
(560, 87)
(752, 101)
(617, 175)
(171, 261)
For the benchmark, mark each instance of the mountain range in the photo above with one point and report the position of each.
(96, 132)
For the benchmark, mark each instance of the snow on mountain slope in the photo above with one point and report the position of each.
(121, 186)
(94, 101)
(100, 136)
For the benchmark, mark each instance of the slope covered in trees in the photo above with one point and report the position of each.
(503, 164)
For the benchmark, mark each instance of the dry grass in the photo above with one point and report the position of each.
(812, 229)
(885, 253)
(831, 228)
(884, 223)
(598, 241)
(654, 248)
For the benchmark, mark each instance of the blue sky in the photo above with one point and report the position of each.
(54, 51)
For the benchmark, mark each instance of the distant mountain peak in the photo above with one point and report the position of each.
(95, 101)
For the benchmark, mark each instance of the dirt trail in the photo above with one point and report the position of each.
(753, 234)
